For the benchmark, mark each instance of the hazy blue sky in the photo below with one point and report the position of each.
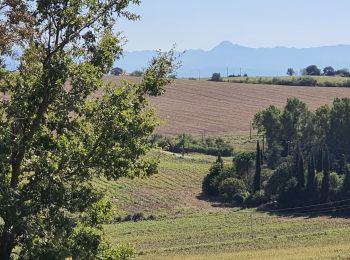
(254, 23)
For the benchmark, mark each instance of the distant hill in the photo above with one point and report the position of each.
(253, 61)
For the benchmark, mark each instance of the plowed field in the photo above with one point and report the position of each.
(193, 106)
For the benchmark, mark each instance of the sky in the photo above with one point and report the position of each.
(203, 24)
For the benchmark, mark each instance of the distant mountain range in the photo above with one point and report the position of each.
(232, 58)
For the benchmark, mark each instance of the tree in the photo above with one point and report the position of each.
(312, 70)
(311, 182)
(244, 161)
(116, 71)
(343, 72)
(300, 171)
(210, 184)
(326, 179)
(55, 139)
(257, 176)
(216, 77)
(329, 71)
(319, 165)
(290, 72)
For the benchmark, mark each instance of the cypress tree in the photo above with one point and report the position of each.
(257, 176)
(311, 183)
(342, 164)
(319, 164)
(325, 180)
(299, 167)
(219, 159)
(300, 172)
(346, 183)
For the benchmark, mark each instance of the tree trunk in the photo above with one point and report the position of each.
(6, 244)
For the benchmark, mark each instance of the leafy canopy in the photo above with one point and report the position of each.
(56, 135)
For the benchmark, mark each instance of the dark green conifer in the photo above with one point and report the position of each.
(257, 176)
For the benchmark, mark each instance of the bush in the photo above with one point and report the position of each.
(210, 184)
(288, 197)
(256, 199)
(216, 77)
(209, 146)
(299, 81)
(280, 176)
(335, 182)
(230, 187)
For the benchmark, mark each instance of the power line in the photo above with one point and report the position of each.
(309, 206)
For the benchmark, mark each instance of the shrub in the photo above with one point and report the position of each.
(138, 217)
(288, 196)
(238, 199)
(256, 199)
(335, 182)
(210, 184)
(280, 176)
(230, 187)
(210, 146)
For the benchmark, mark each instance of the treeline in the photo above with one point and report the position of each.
(305, 162)
(313, 70)
(186, 143)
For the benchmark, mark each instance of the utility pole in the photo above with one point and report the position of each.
(227, 72)
(240, 72)
(251, 225)
(183, 145)
(199, 75)
(263, 143)
(250, 129)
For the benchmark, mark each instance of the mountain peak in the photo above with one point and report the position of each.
(226, 45)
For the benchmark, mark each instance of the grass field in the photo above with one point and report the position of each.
(188, 227)
(230, 234)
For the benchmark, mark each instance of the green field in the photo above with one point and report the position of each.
(228, 234)
(187, 227)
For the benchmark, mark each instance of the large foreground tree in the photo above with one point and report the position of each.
(56, 135)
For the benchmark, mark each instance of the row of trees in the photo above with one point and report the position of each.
(313, 70)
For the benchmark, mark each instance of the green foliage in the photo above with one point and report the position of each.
(295, 81)
(335, 182)
(257, 175)
(256, 199)
(244, 161)
(55, 139)
(191, 144)
(290, 72)
(329, 71)
(325, 188)
(289, 194)
(312, 70)
(275, 185)
(311, 187)
(229, 187)
(210, 185)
